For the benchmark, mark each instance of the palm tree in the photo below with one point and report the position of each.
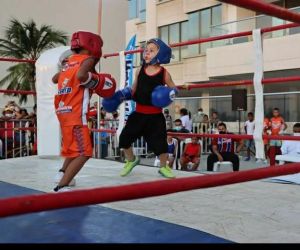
(26, 41)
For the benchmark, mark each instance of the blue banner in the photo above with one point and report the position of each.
(129, 59)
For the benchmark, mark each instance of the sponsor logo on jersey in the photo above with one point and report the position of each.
(64, 109)
(66, 65)
(65, 91)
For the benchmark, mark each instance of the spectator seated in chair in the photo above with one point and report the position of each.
(291, 149)
(178, 128)
(190, 158)
(223, 150)
(172, 149)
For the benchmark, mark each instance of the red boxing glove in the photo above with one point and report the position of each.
(106, 86)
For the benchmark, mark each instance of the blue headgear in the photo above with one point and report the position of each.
(164, 54)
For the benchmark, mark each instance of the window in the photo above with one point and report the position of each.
(216, 19)
(132, 9)
(264, 21)
(287, 3)
(199, 26)
(292, 3)
(164, 34)
(184, 36)
(174, 37)
(142, 10)
(268, 21)
(175, 33)
(205, 23)
(194, 32)
(137, 9)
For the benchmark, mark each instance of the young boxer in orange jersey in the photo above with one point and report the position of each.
(77, 80)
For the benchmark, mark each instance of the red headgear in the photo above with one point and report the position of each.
(89, 41)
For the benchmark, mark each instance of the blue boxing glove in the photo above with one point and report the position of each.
(111, 104)
(163, 96)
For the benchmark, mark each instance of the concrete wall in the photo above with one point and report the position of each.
(141, 32)
(151, 19)
(170, 12)
(278, 55)
(131, 28)
(176, 71)
(194, 69)
(193, 5)
(113, 32)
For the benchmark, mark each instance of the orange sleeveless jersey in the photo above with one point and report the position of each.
(72, 101)
(276, 124)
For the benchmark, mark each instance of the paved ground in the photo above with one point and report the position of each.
(254, 212)
(243, 164)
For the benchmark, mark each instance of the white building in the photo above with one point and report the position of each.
(227, 60)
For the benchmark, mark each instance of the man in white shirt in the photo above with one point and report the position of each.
(292, 147)
(185, 119)
(249, 130)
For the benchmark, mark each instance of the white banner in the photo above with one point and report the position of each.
(48, 129)
(258, 89)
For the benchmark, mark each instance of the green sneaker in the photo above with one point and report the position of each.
(168, 167)
(166, 172)
(129, 166)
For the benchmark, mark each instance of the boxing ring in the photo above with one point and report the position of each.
(255, 211)
(143, 208)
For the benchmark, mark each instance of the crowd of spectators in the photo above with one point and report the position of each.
(184, 153)
(13, 140)
(226, 149)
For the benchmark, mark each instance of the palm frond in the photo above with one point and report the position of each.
(26, 40)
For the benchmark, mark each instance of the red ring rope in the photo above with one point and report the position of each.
(7, 59)
(50, 201)
(240, 82)
(234, 136)
(266, 8)
(21, 92)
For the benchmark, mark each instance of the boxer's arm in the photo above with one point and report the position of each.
(55, 78)
(87, 66)
(169, 80)
(134, 85)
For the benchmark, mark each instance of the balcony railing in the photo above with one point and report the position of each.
(251, 23)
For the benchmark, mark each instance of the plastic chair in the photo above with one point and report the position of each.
(157, 161)
(222, 164)
(181, 146)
